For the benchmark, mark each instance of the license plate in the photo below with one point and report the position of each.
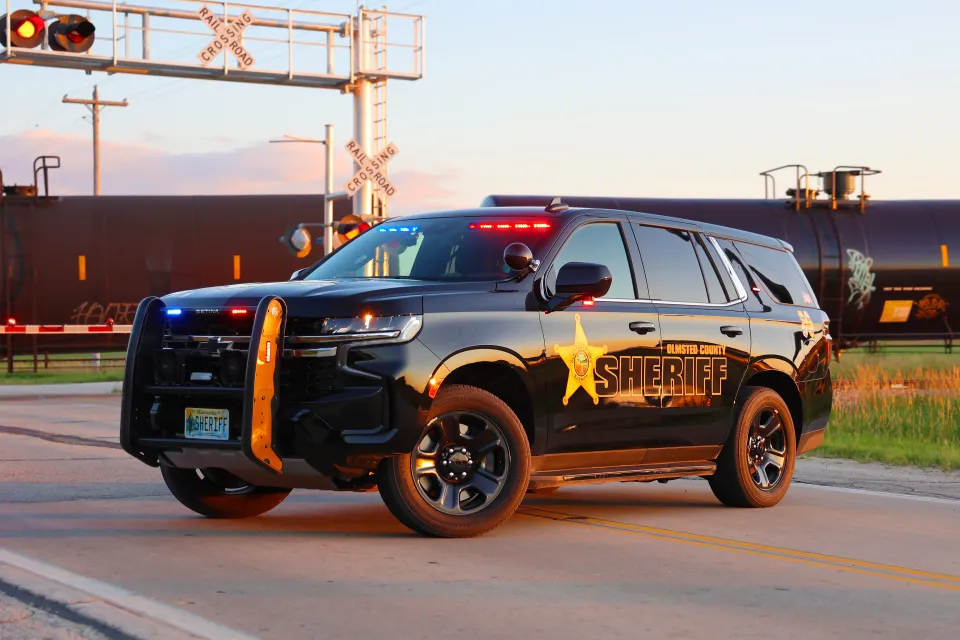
(206, 424)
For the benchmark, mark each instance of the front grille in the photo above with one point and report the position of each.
(304, 379)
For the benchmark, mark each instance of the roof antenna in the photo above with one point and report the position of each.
(556, 206)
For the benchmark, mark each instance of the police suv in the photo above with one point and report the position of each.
(457, 360)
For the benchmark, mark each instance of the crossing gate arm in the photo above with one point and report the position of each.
(72, 329)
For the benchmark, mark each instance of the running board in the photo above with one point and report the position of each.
(637, 473)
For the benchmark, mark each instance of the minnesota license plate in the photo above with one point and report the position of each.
(206, 424)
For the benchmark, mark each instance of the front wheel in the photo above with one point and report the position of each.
(756, 465)
(216, 493)
(468, 472)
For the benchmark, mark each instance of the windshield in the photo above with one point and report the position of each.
(448, 249)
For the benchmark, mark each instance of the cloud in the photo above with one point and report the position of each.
(139, 169)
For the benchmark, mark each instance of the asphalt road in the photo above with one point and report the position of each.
(607, 561)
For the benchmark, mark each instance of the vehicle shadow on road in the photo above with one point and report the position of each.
(632, 496)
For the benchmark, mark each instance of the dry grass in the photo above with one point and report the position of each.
(901, 417)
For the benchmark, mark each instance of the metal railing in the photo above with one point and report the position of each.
(38, 363)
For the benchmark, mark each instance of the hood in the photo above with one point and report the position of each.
(326, 298)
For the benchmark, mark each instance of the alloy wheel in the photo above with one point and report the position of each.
(766, 448)
(461, 463)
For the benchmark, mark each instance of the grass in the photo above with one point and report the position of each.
(892, 362)
(61, 370)
(876, 420)
(51, 376)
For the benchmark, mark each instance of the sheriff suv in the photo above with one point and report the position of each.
(457, 360)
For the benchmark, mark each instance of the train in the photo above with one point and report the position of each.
(91, 260)
(881, 269)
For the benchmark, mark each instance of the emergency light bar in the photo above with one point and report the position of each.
(502, 226)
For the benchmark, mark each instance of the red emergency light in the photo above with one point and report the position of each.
(503, 226)
(239, 312)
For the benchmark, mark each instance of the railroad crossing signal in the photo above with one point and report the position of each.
(26, 29)
(73, 34)
(373, 169)
(70, 33)
(227, 37)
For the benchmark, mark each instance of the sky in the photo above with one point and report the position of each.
(691, 98)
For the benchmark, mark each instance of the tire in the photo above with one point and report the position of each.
(218, 494)
(490, 477)
(737, 481)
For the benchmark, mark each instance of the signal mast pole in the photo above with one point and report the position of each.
(96, 106)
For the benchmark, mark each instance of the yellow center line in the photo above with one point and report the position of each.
(915, 576)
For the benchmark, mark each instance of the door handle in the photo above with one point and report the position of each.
(642, 327)
(731, 330)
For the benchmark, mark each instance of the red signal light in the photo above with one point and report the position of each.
(588, 302)
(27, 29)
(239, 312)
(72, 33)
(12, 322)
(350, 227)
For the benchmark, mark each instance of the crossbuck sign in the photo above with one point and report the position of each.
(372, 169)
(226, 37)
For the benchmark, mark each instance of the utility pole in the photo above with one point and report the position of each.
(96, 106)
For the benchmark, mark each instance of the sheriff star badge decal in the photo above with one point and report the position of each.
(581, 359)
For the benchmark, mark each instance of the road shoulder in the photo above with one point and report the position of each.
(876, 476)
(40, 593)
(72, 390)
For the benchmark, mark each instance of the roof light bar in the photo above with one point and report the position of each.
(401, 229)
(503, 226)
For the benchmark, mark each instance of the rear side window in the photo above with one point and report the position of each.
(671, 264)
(725, 276)
(779, 273)
(711, 275)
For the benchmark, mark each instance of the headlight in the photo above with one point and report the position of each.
(370, 327)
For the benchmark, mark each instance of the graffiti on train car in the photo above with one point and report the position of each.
(96, 313)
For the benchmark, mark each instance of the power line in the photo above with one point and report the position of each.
(95, 106)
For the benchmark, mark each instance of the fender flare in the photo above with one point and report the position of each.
(771, 363)
(475, 355)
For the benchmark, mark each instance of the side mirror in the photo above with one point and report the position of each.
(296, 274)
(517, 256)
(579, 280)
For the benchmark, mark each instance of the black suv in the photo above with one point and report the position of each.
(458, 360)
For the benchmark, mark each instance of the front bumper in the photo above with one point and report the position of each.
(294, 420)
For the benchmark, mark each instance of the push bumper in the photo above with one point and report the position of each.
(258, 395)
(278, 436)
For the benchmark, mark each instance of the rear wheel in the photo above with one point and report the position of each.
(756, 465)
(468, 472)
(216, 493)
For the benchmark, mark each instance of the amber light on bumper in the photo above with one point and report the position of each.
(261, 404)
